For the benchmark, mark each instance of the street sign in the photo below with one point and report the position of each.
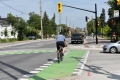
(116, 13)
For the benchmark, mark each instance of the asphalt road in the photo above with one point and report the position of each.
(14, 63)
(20, 59)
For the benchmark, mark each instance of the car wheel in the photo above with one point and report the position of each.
(81, 42)
(71, 42)
(113, 49)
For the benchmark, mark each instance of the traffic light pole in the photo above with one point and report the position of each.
(116, 19)
(96, 23)
(92, 12)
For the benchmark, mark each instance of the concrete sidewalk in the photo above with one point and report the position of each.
(92, 43)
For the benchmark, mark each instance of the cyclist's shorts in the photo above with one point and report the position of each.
(61, 43)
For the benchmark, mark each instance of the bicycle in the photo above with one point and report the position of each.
(60, 55)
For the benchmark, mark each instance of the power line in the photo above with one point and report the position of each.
(13, 8)
(48, 7)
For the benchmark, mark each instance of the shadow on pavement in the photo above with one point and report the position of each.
(99, 70)
(15, 68)
(52, 60)
(109, 52)
(77, 58)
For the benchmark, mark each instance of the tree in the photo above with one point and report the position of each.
(63, 28)
(53, 25)
(46, 25)
(34, 20)
(12, 19)
(111, 3)
(106, 30)
(91, 26)
(21, 27)
(6, 34)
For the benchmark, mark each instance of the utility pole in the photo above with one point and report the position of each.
(66, 25)
(70, 22)
(41, 19)
(60, 21)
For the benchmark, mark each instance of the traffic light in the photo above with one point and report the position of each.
(86, 18)
(59, 7)
(118, 2)
(98, 23)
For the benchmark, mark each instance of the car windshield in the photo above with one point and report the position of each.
(76, 35)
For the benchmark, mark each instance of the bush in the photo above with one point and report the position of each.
(9, 40)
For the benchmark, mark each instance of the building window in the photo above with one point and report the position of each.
(1, 33)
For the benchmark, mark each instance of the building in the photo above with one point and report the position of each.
(70, 30)
(4, 24)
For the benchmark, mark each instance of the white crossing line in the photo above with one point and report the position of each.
(39, 69)
(34, 72)
(28, 75)
(44, 66)
(22, 79)
(47, 64)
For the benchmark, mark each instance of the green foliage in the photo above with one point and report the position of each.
(6, 32)
(10, 40)
(111, 3)
(21, 26)
(106, 30)
(91, 26)
(34, 20)
(33, 25)
(64, 28)
(46, 25)
(12, 19)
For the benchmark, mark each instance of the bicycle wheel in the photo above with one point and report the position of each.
(61, 56)
(58, 56)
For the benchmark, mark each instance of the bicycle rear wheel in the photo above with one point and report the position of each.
(61, 56)
(58, 56)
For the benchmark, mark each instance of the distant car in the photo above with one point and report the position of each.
(31, 37)
(112, 47)
(76, 37)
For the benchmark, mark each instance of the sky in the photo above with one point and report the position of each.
(70, 16)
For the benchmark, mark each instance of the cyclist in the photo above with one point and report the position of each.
(60, 40)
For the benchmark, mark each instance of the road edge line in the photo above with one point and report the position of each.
(83, 64)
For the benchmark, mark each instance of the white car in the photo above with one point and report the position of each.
(112, 47)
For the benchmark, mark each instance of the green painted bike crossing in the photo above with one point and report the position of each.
(63, 69)
(25, 52)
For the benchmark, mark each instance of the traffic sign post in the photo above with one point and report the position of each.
(116, 13)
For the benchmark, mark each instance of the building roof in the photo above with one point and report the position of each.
(4, 21)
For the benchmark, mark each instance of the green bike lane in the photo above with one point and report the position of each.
(25, 51)
(62, 69)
